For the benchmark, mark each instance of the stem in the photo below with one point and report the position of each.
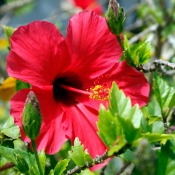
(96, 160)
(157, 64)
(8, 165)
(165, 125)
(120, 42)
(159, 44)
(69, 88)
(36, 156)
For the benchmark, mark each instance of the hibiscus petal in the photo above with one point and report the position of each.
(94, 48)
(132, 82)
(89, 4)
(83, 124)
(83, 4)
(38, 53)
(52, 135)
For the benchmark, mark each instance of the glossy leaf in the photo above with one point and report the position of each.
(21, 163)
(162, 160)
(19, 144)
(87, 172)
(13, 155)
(78, 155)
(129, 117)
(119, 144)
(156, 137)
(170, 170)
(42, 160)
(51, 172)
(61, 167)
(21, 85)
(152, 109)
(8, 31)
(9, 129)
(165, 95)
(137, 54)
(12, 132)
(109, 127)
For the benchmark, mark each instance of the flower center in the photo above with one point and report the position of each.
(67, 89)
(99, 92)
(101, 89)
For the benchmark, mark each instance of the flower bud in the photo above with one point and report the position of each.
(115, 17)
(31, 117)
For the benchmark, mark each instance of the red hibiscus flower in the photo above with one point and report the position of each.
(89, 4)
(63, 73)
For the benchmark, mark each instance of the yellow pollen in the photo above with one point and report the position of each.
(99, 92)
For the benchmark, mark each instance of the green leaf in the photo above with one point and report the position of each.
(8, 123)
(9, 129)
(128, 155)
(129, 117)
(158, 127)
(153, 119)
(19, 144)
(12, 132)
(156, 137)
(152, 109)
(126, 44)
(3, 161)
(78, 155)
(110, 131)
(153, 115)
(8, 32)
(109, 127)
(138, 53)
(143, 52)
(21, 85)
(162, 160)
(156, 14)
(61, 167)
(21, 163)
(165, 95)
(87, 172)
(168, 30)
(42, 160)
(17, 157)
(51, 172)
(170, 170)
(119, 144)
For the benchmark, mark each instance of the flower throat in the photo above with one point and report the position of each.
(67, 88)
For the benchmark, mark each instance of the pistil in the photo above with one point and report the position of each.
(69, 88)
